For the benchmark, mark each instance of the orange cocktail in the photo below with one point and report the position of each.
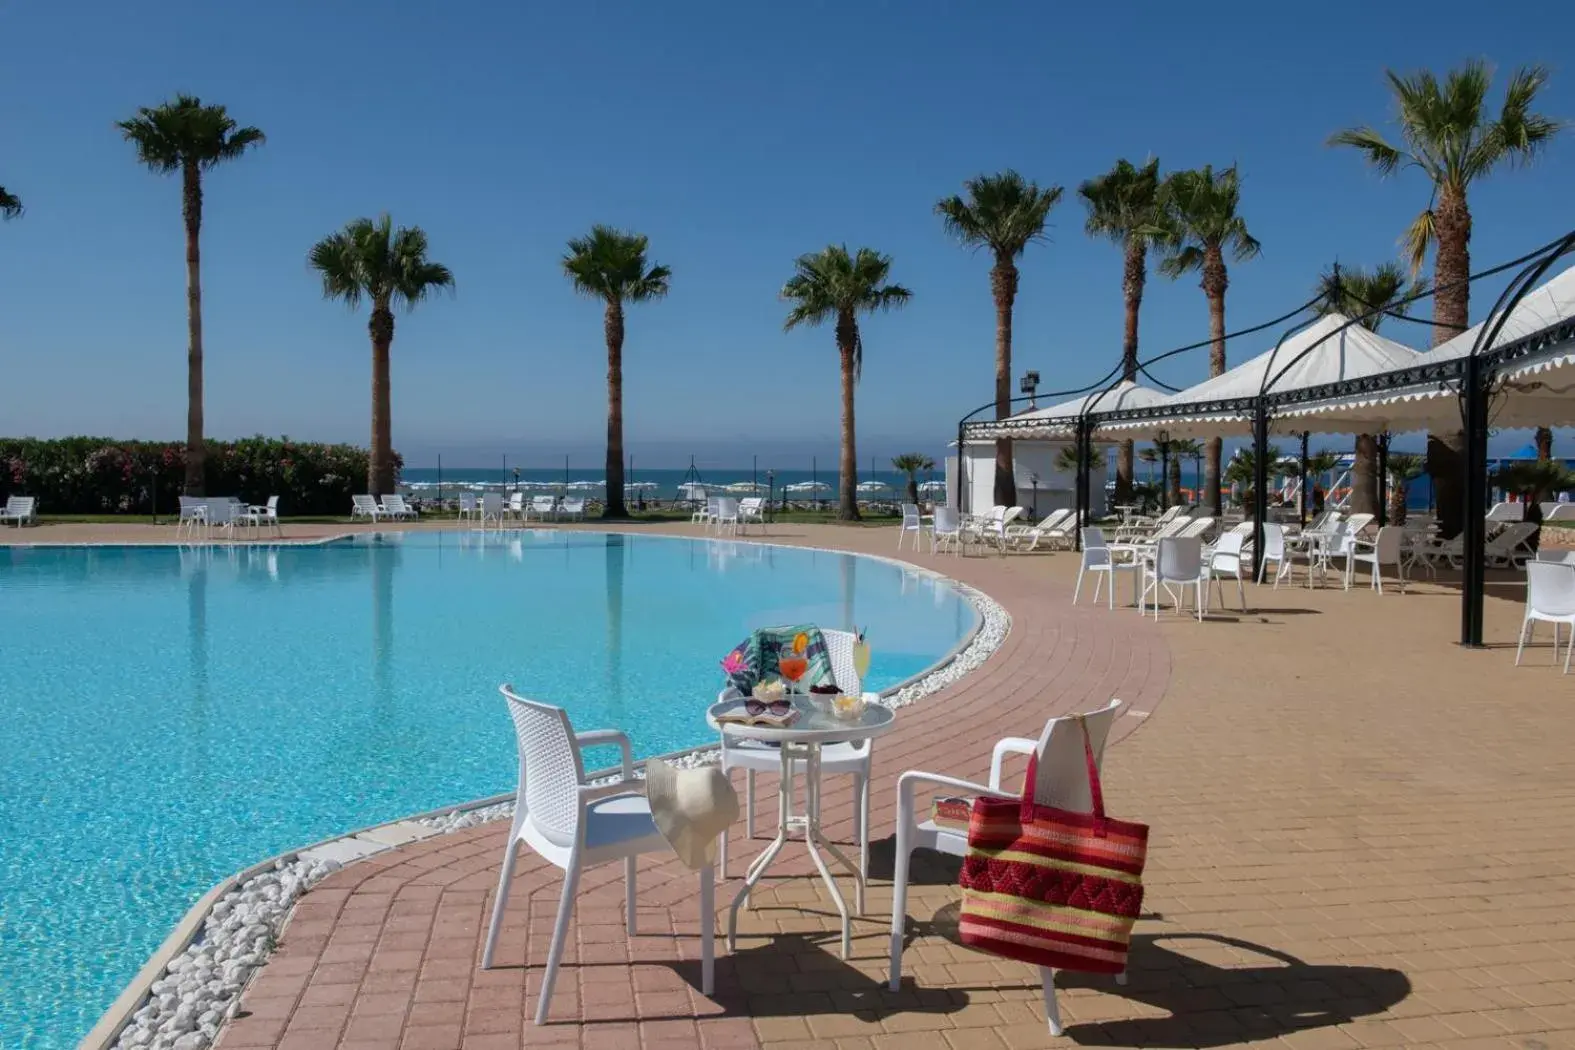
(792, 666)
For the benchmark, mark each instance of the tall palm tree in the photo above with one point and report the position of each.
(1242, 470)
(834, 285)
(1447, 133)
(10, 204)
(1355, 292)
(1187, 448)
(1201, 226)
(186, 136)
(372, 260)
(1124, 206)
(1004, 213)
(1320, 465)
(610, 266)
(910, 463)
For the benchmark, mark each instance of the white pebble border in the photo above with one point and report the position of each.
(201, 987)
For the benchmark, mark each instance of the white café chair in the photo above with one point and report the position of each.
(947, 528)
(492, 507)
(516, 507)
(223, 514)
(1273, 550)
(467, 505)
(266, 514)
(193, 516)
(726, 519)
(1100, 560)
(1224, 561)
(1386, 549)
(852, 758)
(911, 522)
(1062, 782)
(1550, 597)
(702, 511)
(1178, 564)
(575, 825)
(752, 511)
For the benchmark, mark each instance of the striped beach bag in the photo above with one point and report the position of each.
(1049, 886)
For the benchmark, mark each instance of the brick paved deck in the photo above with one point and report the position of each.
(1363, 836)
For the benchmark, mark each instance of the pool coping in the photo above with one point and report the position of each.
(361, 843)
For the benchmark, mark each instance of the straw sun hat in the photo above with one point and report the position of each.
(691, 807)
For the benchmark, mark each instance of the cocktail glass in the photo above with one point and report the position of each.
(793, 667)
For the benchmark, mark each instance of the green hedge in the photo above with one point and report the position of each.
(87, 475)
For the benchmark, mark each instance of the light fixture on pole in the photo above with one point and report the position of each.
(1029, 385)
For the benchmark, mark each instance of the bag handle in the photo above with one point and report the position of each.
(1096, 792)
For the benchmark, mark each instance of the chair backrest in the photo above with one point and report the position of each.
(1357, 522)
(1052, 520)
(839, 648)
(1387, 546)
(1180, 558)
(364, 503)
(1227, 550)
(467, 501)
(516, 501)
(396, 504)
(1171, 514)
(1094, 538)
(910, 515)
(20, 506)
(753, 504)
(1273, 540)
(1062, 779)
(1011, 515)
(1171, 527)
(1242, 528)
(1514, 534)
(551, 770)
(492, 503)
(1550, 588)
(574, 506)
(1553, 554)
(1507, 512)
(542, 503)
(945, 520)
(273, 506)
(727, 508)
(712, 505)
(220, 512)
(1196, 527)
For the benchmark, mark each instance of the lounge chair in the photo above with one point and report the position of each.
(1052, 527)
(395, 507)
(1062, 782)
(20, 509)
(1511, 547)
(365, 507)
(543, 507)
(1145, 527)
(573, 509)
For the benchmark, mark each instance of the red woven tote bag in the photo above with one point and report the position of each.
(1052, 887)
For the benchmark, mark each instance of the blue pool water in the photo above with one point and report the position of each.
(173, 715)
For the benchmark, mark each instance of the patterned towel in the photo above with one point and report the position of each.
(755, 659)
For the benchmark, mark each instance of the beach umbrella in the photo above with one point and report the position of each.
(932, 486)
(808, 486)
(741, 486)
(874, 486)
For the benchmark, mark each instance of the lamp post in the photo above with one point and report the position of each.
(1028, 385)
(771, 492)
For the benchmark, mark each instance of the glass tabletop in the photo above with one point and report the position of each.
(816, 723)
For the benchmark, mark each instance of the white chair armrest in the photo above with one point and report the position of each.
(589, 793)
(610, 736)
(1012, 745)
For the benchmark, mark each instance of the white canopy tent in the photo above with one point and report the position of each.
(1057, 420)
(1535, 390)
(1318, 354)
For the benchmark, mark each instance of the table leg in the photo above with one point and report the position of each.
(813, 841)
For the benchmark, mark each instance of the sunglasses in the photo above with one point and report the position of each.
(776, 707)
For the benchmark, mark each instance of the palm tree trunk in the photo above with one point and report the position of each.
(1215, 282)
(1364, 475)
(1175, 480)
(1544, 444)
(380, 464)
(913, 489)
(1003, 284)
(1451, 315)
(848, 468)
(196, 450)
(612, 324)
(1134, 273)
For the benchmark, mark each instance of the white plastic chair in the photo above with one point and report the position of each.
(1224, 561)
(193, 516)
(1099, 559)
(573, 509)
(1386, 549)
(852, 758)
(467, 505)
(365, 507)
(516, 508)
(1062, 782)
(947, 528)
(492, 507)
(222, 514)
(1550, 597)
(1273, 550)
(20, 509)
(703, 507)
(1178, 563)
(575, 825)
(752, 511)
(266, 514)
(726, 519)
(544, 507)
(911, 522)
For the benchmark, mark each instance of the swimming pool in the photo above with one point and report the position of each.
(174, 714)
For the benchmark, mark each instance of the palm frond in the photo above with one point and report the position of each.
(1003, 212)
(371, 259)
(1417, 239)
(610, 265)
(1385, 158)
(1183, 261)
(833, 283)
(1123, 203)
(1355, 292)
(1201, 208)
(10, 204)
(184, 131)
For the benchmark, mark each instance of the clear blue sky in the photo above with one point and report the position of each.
(737, 136)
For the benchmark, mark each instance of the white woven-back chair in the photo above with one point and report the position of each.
(752, 511)
(1273, 550)
(946, 529)
(1062, 782)
(1178, 564)
(265, 515)
(1100, 560)
(516, 507)
(1225, 561)
(575, 825)
(911, 523)
(726, 519)
(1550, 598)
(1388, 548)
(224, 515)
(193, 516)
(852, 758)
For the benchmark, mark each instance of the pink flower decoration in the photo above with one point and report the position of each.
(733, 663)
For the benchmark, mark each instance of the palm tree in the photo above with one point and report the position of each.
(1186, 448)
(1242, 470)
(610, 265)
(833, 285)
(910, 463)
(1124, 206)
(1201, 226)
(1004, 213)
(186, 136)
(10, 204)
(1149, 456)
(1447, 132)
(1066, 459)
(1534, 480)
(373, 260)
(1404, 468)
(1319, 466)
(1353, 293)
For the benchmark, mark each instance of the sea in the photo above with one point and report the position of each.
(659, 484)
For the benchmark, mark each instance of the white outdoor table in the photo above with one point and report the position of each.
(801, 742)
